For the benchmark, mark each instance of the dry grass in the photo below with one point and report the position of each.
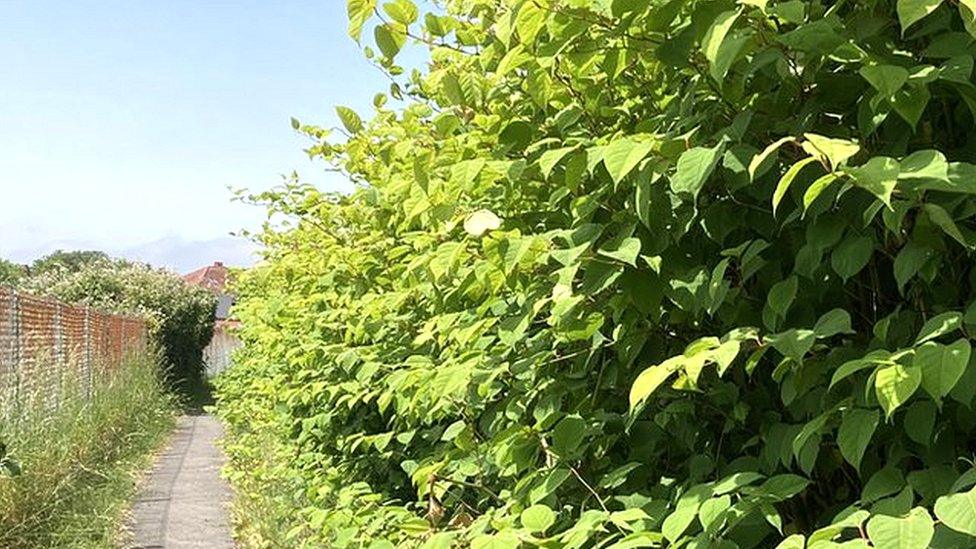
(79, 463)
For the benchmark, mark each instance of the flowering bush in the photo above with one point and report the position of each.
(180, 316)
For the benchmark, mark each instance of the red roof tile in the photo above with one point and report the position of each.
(212, 277)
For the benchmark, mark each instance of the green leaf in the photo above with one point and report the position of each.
(550, 159)
(623, 155)
(685, 512)
(358, 11)
(815, 38)
(851, 255)
(793, 343)
(760, 159)
(781, 296)
(437, 25)
(401, 11)
(549, 484)
(910, 103)
(944, 221)
(453, 430)
(968, 15)
(817, 188)
(938, 326)
(349, 119)
(895, 384)
(724, 355)
(885, 482)
(878, 176)
(834, 152)
(567, 435)
(851, 367)
(501, 540)
(650, 379)
(971, 6)
(782, 487)
(627, 517)
(887, 79)
(854, 435)
(912, 11)
(516, 57)
(909, 262)
(833, 322)
(627, 251)
(795, 541)
(695, 166)
(389, 39)
(810, 428)
(958, 69)
(728, 53)
(718, 287)
(734, 482)
(910, 532)
(530, 19)
(920, 420)
(712, 512)
(942, 366)
(958, 511)
(714, 38)
(926, 164)
(787, 180)
(538, 518)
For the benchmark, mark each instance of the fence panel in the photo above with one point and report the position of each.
(47, 345)
(218, 354)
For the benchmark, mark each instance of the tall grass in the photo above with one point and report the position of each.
(79, 460)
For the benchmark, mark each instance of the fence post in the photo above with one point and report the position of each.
(58, 354)
(15, 350)
(88, 358)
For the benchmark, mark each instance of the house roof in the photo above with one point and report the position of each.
(212, 277)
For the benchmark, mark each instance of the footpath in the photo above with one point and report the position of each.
(184, 502)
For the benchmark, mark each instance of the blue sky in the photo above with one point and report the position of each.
(123, 122)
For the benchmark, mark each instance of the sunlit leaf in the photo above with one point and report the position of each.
(480, 222)
(695, 166)
(911, 11)
(623, 155)
(909, 532)
(895, 384)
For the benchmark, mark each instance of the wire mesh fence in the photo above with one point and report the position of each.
(47, 346)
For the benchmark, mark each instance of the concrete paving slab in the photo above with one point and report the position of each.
(184, 502)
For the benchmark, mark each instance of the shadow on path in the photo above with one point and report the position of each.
(194, 396)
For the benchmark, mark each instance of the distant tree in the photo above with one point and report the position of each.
(71, 262)
(10, 272)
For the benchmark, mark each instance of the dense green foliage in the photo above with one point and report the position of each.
(76, 466)
(181, 316)
(623, 273)
(10, 272)
(71, 261)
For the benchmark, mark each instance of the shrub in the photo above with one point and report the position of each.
(626, 274)
(10, 272)
(71, 261)
(180, 316)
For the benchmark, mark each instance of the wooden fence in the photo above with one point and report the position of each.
(47, 346)
(218, 356)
